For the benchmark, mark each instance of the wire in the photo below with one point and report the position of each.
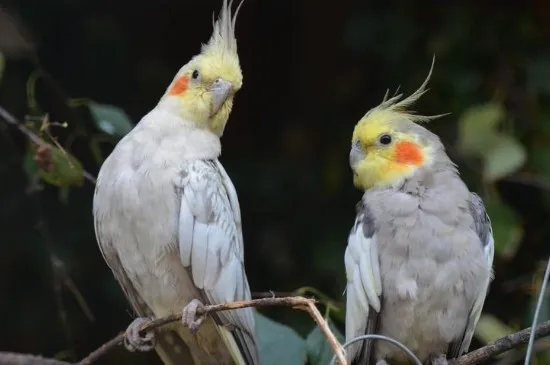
(536, 316)
(384, 338)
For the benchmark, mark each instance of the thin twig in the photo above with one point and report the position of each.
(272, 294)
(332, 340)
(10, 358)
(101, 350)
(537, 311)
(502, 345)
(22, 128)
(475, 357)
(34, 137)
(499, 346)
(297, 302)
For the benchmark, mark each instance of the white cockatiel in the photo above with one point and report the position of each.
(167, 217)
(419, 256)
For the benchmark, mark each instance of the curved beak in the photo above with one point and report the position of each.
(356, 155)
(220, 89)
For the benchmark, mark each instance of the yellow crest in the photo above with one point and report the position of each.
(222, 43)
(393, 107)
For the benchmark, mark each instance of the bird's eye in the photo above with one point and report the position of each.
(385, 139)
(195, 74)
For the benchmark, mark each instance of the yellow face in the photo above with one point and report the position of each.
(381, 155)
(205, 89)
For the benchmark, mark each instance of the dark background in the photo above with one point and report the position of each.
(311, 70)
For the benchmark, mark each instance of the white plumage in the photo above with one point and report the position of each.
(168, 223)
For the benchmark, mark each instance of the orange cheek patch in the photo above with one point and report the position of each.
(180, 85)
(408, 153)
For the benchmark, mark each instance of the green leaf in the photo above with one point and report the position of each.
(478, 136)
(507, 229)
(490, 328)
(29, 165)
(110, 119)
(31, 169)
(505, 157)
(333, 307)
(318, 350)
(67, 170)
(279, 344)
(477, 125)
(78, 102)
(2, 66)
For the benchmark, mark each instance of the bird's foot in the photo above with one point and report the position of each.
(189, 316)
(438, 359)
(134, 340)
(382, 362)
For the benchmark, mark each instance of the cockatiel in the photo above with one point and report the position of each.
(419, 256)
(167, 217)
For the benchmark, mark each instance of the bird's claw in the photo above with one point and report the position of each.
(438, 359)
(133, 340)
(189, 316)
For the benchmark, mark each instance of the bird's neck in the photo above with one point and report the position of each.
(170, 130)
(428, 176)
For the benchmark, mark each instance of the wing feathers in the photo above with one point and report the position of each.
(375, 265)
(364, 287)
(482, 226)
(213, 241)
(212, 265)
(186, 232)
(367, 276)
(199, 252)
(360, 294)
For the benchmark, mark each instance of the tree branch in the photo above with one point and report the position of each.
(475, 357)
(337, 347)
(10, 358)
(10, 119)
(502, 345)
(301, 303)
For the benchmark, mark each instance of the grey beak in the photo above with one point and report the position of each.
(355, 156)
(220, 90)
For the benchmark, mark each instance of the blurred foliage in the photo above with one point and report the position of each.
(279, 343)
(110, 119)
(305, 86)
(319, 350)
(479, 136)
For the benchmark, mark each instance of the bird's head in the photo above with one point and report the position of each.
(388, 144)
(202, 91)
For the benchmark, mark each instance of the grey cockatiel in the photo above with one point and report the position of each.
(167, 217)
(419, 256)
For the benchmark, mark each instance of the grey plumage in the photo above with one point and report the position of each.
(418, 262)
